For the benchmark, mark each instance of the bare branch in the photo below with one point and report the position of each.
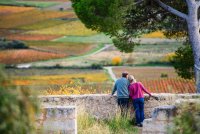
(172, 10)
(138, 2)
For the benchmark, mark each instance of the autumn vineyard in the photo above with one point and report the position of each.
(67, 58)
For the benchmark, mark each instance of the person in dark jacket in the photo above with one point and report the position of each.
(121, 86)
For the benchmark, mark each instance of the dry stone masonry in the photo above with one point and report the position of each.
(161, 120)
(105, 106)
(59, 112)
(58, 119)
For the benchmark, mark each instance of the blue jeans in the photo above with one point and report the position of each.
(123, 104)
(138, 105)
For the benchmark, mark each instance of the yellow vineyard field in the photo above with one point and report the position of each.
(157, 34)
(58, 79)
(14, 9)
(67, 90)
(70, 28)
(22, 56)
(29, 17)
(43, 24)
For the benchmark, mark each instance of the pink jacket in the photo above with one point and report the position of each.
(136, 90)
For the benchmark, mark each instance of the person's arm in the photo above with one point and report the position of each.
(114, 89)
(145, 90)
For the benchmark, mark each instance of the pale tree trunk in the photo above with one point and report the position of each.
(193, 31)
(194, 37)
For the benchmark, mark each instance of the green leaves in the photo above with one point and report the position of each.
(17, 109)
(183, 62)
(99, 15)
(124, 45)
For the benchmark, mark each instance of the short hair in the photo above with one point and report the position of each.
(124, 74)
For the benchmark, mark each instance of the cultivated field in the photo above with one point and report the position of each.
(54, 32)
(6, 10)
(37, 3)
(62, 81)
(70, 49)
(159, 79)
(38, 32)
(26, 55)
(31, 37)
(68, 28)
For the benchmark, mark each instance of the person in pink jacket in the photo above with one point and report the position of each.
(136, 90)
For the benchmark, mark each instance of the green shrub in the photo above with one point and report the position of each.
(15, 44)
(188, 120)
(183, 62)
(163, 75)
(17, 109)
(96, 66)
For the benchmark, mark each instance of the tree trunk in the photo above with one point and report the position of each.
(194, 36)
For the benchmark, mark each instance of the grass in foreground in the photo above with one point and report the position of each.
(116, 125)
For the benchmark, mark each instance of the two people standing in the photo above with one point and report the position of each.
(126, 87)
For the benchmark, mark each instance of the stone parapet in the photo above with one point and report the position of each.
(105, 106)
(162, 116)
(57, 119)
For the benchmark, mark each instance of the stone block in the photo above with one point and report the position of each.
(164, 113)
(59, 119)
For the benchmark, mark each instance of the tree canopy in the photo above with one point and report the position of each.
(125, 19)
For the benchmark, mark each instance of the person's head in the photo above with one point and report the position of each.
(131, 79)
(125, 74)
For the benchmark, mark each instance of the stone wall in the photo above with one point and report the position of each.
(57, 119)
(161, 120)
(162, 117)
(105, 106)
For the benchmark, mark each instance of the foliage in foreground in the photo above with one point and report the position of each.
(116, 125)
(188, 120)
(17, 110)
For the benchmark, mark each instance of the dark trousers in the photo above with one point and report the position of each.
(138, 105)
(123, 104)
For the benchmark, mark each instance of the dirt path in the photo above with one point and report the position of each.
(111, 73)
(59, 61)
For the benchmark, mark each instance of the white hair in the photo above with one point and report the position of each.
(131, 78)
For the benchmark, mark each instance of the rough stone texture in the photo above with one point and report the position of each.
(161, 120)
(164, 113)
(105, 106)
(99, 106)
(162, 117)
(58, 119)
